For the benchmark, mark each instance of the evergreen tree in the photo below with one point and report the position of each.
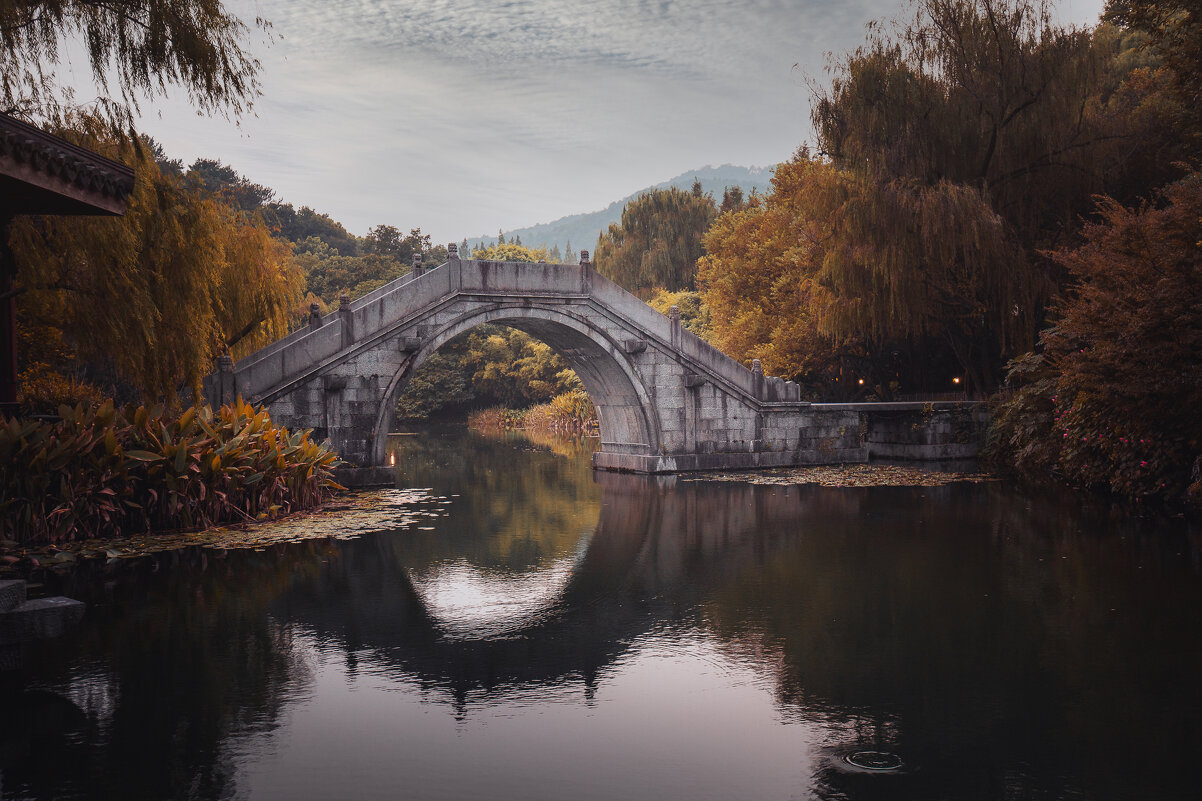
(234, 189)
(732, 199)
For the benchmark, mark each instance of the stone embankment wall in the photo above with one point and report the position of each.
(825, 433)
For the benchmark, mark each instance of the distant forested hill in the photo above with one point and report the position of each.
(581, 230)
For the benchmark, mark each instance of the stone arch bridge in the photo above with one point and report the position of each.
(666, 400)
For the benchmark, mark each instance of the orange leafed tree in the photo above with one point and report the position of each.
(157, 294)
(758, 277)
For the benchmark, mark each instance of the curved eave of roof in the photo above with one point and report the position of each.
(43, 174)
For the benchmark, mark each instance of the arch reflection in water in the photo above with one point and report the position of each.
(467, 601)
(709, 641)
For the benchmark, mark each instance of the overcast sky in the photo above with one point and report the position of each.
(464, 116)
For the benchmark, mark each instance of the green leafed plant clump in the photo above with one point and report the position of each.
(101, 471)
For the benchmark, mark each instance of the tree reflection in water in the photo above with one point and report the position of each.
(1001, 644)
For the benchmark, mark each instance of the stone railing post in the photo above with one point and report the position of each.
(227, 387)
(674, 323)
(586, 273)
(757, 378)
(417, 265)
(314, 315)
(347, 319)
(455, 265)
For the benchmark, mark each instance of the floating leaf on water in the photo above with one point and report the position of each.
(858, 475)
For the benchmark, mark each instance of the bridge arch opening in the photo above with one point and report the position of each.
(625, 413)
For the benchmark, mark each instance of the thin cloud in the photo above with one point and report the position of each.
(465, 116)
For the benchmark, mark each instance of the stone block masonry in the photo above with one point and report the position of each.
(23, 621)
(666, 400)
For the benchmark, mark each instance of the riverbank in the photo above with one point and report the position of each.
(349, 515)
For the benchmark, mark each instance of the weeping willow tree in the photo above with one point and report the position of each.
(135, 50)
(927, 263)
(833, 266)
(155, 294)
(987, 93)
(658, 240)
(969, 140)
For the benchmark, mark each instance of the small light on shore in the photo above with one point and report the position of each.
(956, 380)
(392, 460)
(861, 382)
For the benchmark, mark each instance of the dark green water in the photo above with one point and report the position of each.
(555, 634)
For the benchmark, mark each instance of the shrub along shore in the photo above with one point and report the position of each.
(101, 471)
(570, 412)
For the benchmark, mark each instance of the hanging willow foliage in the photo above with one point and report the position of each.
(908, 261)
(658, 240)
(832, 261)
(758, 277)
(135, 49)
(989, 93)
(162, 290)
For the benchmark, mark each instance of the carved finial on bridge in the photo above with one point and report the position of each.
(314, 315)
(344, 301)
(452, 252)
(756, 367)
(417, 265)
(584, 262)
(674, 327)
(225, 363)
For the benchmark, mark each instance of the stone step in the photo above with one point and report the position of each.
(39, 619)
(12, 594)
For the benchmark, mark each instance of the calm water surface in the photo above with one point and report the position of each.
(548, 633)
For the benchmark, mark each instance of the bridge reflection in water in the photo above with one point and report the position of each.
(671, 639)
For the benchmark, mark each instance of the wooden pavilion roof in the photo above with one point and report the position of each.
(43, 174)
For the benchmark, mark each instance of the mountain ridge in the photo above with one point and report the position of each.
(581, 230)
